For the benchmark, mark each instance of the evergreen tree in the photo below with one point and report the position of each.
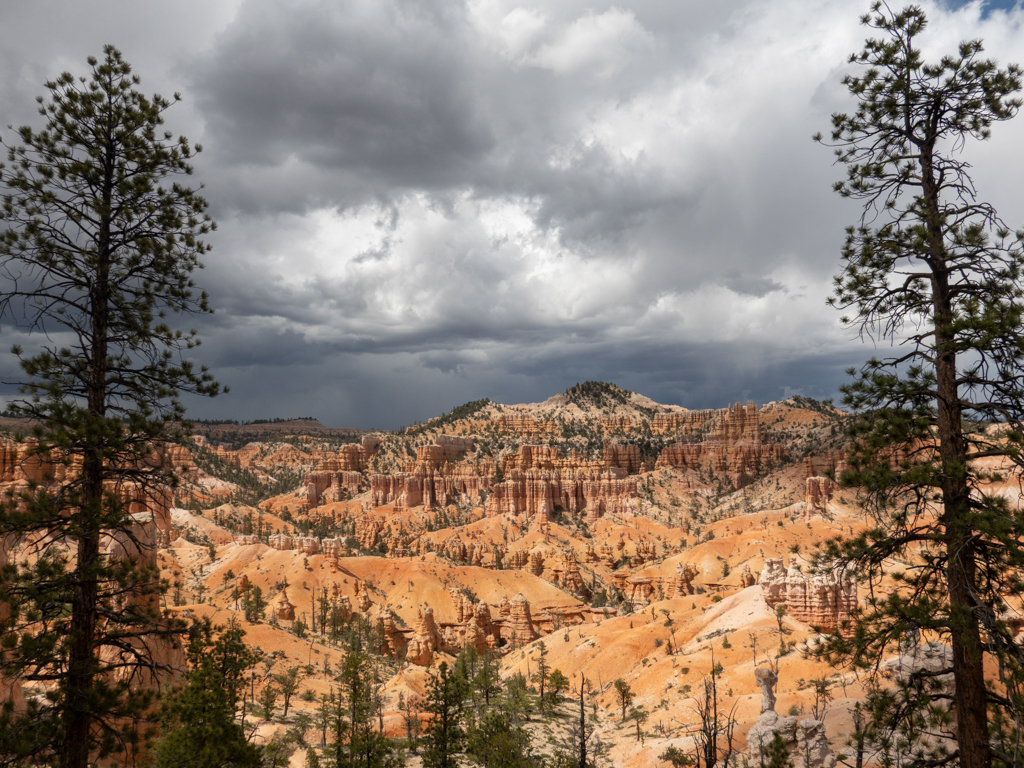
(934, 270)
(444, 739)
(325, 715)
(541, 675)
(356, 741)
(199, 720)
(410, 709)
(487, 681)
(288, 684)
(254, 604)
(639, 716)
(557, 683)
(624, 694)
(268, 701)
(676, 757)
(101, 244)
(497, 743)
(776, 755)
(517, 700)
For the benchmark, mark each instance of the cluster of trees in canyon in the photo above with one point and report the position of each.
(103, 236)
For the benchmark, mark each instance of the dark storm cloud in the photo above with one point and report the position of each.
(399, 389)
(424, 202)
(379, 90)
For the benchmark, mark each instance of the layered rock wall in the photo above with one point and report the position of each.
(526, 426)
(819, 493)
(727, 441)
(821, 600)
(545, 457)
(454, 447)
(593, 492)
(327, 486)
(474, 625)
(426, 486)
(402, 489)
(618, 453)
(831, 463)
(351, 458)
(685, 422)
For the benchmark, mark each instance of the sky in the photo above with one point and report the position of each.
(426, 202)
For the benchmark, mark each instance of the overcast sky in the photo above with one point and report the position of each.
(425, 202)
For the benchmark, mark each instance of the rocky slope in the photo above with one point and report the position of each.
(623, 538)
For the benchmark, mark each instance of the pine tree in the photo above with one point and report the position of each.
(268, 701)
(101, 244)
(445, 737)
(199, 720)
(497, 743)
(254, 604)
(541, 675)
(934, 271)
(557, 683)
(517, 699)
(288, 684)
(356, 741)
(776, 755)
(487, 681)
(624, 694)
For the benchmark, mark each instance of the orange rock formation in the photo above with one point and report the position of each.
(731, 441)
(821, 600)
(819, 494)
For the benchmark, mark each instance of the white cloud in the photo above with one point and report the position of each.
(599, 44)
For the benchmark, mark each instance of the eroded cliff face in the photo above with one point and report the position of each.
(592, 493)
(529, 487)
(21, 467)
(820, 600)
(819, 493)
(725, 441)
(537, 480)
(525, 426)
(328, 486)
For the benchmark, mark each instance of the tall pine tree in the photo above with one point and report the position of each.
(932, 270)
(445, 737)
(101, 243)
(198, 721)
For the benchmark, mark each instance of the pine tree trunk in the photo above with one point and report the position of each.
(82, 631)
(85, 599)
(965, 638)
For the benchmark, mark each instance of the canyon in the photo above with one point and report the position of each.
(628, 539)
